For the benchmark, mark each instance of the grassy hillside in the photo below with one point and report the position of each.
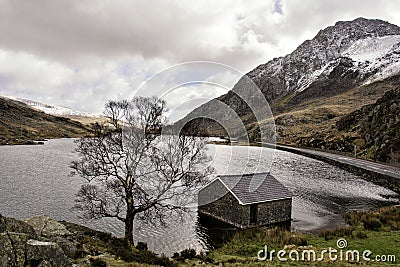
(377, 231)
(20, 124)
(85, 120)
(300, 120)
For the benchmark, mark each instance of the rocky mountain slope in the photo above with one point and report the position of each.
(337, 59)
(342, 50)
(20, 124)
(374, 128)
(377, 127)
(313, 123)
(343, 68)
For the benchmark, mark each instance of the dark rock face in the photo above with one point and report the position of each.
(342, 78)
(379, 126)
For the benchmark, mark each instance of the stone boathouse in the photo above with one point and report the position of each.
(247, 200)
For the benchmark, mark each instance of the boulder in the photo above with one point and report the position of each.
(286, 120)
(46, 227)
(16, 226)
(12, 249)
(66, 245)
(19, 245)
(17, 250)
(54, 231)
(39, 253)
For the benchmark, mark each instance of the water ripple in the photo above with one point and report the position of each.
(35, 181)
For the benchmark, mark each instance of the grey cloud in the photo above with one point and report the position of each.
(176, 31)
(64, 30)
(105, 28)
(83, 52)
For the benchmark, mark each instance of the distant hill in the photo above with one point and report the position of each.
(51, 109)
(21, 124)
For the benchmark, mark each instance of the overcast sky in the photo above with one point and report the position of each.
(81, 53)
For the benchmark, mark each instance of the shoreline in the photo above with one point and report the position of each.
(69, 244)
(377, 173)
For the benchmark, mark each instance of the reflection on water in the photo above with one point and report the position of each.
(212, 232)
(35, 180)
(215, 233)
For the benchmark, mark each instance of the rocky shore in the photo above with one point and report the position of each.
(43, 242)
(39, 241)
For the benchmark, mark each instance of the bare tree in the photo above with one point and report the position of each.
(130, 169)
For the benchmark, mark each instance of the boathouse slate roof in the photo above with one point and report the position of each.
(255, 188)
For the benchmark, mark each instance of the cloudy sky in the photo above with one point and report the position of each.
(81, 53)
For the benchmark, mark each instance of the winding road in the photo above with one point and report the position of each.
(382, 174)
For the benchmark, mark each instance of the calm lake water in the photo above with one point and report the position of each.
(35, 180)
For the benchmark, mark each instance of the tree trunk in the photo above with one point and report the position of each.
(130, 216)
(129, 226)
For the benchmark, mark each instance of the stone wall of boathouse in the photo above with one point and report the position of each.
(228, 209)
(274, 212)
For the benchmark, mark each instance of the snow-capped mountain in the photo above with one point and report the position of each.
(50, 109)
(337, 59)
(372, 46)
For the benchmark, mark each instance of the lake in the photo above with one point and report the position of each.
(35, 181)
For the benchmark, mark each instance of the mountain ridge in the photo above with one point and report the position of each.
(320, 50)
(284, 75)
(51, 109)
(338, 60)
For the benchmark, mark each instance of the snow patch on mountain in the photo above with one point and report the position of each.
(50, 109)
(371, 49)
(308, 79)
(377, 55)
(349, 53)
(380, 55)
(388, 71)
